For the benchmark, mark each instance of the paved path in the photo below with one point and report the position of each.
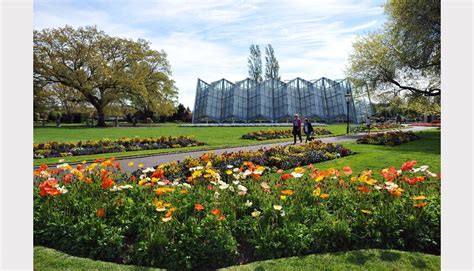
(151, 161)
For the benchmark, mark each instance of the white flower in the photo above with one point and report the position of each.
(195, 168)
(45, 174)
(236, 182)
(277, 207)
(62, 165)
(282, 213)
(235, 170)
(149, 169)
(216, 195)
(423, 168)
(296, 175)
(231, 188)
(62, 189)
(61, 161)
(248, 203)
(127, 186)
(256, 213)
(176, 183)
(230, 166)
(187, 185)
(242, 188)
(247, 172)
(399, 171)
(223, 185)
(377, 187)
(431, 174)
(160, 183)
(143, 176)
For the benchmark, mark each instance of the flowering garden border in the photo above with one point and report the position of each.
(388, 138)
(63, 149)
(219, 210)
(274, 134)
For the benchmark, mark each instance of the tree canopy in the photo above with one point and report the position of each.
(255, 63)
(102, 70)
(405, 55)
(271, 64)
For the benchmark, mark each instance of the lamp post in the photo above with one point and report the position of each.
(348, 99)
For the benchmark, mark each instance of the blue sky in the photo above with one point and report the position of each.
(210, 39)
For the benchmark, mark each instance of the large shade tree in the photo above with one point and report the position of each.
(255, 63)
(104, 70)
(406, 54)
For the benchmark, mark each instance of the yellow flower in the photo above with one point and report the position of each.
(298, 170)
(283, 197)
(323, 196)
(277, 207)
(319, 178)
(84, 161)
(353, 178)
(256, 213)
(317, 192)
(163, 190)
(131, 164)
(366, 211)
(371, 182)
(140, 165)
(228, 172)
(418, 198)
(141, 182)
(196, 174)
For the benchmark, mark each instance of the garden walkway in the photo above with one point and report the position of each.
(150, 161)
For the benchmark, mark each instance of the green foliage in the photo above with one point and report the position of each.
(271, 64)
(103, 70)
(255, 63)
(388, 138)
(405, 54)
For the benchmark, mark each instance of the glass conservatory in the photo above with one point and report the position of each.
(247, 101)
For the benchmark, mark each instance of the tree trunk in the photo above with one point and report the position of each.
(100, 117)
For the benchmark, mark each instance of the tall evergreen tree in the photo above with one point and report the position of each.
(255, 63)
(271, 64)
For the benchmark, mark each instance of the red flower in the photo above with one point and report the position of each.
(221, 218)
(107, 182)
(198, 207)
(408, 165)
(158, 174)
(210, 187)
(363, 189)
(48, 187)
(286, 176)
(216, 212)
(389, 174)
(100, 212)
(67, 178)
(43, 167)
(347, 170)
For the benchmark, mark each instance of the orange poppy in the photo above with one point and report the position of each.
(107, 183)
(363, 189)
(100, 212)
(408, 165)
(286, 176)
(216, 212)
(287, 192)
(420, 205)
(347, 170)
(198, 207)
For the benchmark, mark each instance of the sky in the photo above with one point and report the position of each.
(210, 39)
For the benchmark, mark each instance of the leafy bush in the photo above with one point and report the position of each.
(388, 138)
(273, 134)
(62, 149)
(214, 218)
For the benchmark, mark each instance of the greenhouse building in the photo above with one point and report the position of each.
(246, 101)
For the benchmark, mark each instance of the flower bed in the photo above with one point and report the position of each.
(273, 134)
(244, 212)
(427, 124)
(388, 138)
(62, 149)
(374, 128)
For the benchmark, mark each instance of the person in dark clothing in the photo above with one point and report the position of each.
(297, 129)
(308, 130)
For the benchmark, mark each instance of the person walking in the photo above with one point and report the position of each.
(308, 130)
(368, 123)
(297, 129)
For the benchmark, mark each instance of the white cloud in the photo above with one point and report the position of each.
(210, 39)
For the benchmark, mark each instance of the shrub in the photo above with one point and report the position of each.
(374, 127)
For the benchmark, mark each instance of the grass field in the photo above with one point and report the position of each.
(214, 137)
(426, 151)
(370, 259)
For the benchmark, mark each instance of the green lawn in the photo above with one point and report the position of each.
(426, 151)
(370, 259)
(214, 137)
